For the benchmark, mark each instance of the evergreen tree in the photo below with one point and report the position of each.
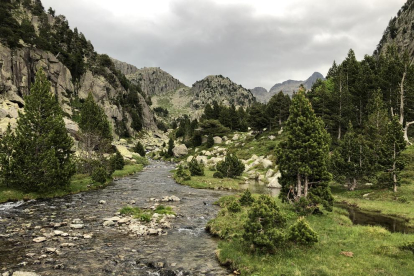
(6, 153)
(394, 144)
(170, 148)
(210, 141)
(231, 166)
(42, 157)
(94, 127)
(303, 157)
(139, 148)
(277, 109)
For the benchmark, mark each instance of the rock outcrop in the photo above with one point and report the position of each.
(124, 67)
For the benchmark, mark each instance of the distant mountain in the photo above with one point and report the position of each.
(288, 87)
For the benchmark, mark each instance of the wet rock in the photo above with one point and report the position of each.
(102, 202)
(58, 233)
(39, 239)
(50, 250)
(24, 273)
(170, 198)
(77, 226)
(108, 223)
(66, 244)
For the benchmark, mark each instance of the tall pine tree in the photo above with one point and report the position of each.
(42, 157)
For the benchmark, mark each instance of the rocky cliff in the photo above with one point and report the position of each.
(400, 31)
(222, 90)
(93, 72)
(125, 68)
(154, 81)
(260, 93)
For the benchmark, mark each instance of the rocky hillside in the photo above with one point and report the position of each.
(222, 90)
(154, 81)
(125, 68)
(36, 39)
(400, 31)
(288, 87)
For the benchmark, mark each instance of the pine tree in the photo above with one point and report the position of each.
(94, 127)
(6, 151)
(303, 157)
(393, 145)
(42, 155)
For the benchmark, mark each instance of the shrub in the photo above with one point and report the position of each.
(301, 233)
(408, 246)
(182, 173)
(146, 217)
(210, 141)
(234, 207)
(218, 175)
(195, 168)
(197, 140)
(139, 148)
(99, 175)
(246, 199)
(117, 161)
(231, 166)
(264, 225)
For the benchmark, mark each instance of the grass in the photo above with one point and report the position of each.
(209, 182)
(79, 183)
(375, 250)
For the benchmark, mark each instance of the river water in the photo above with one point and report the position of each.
(186, 249)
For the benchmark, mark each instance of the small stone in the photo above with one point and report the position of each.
(102, 202)
(22, 264)
(87, 236)
(132, 202)
(77, 221)
(59, 266)
(30, 255)
(67, 245)
(39, 239)
(50, 250)
(124, 220)
(43, 256)
(25, 273)
(65, 235)
(58, 233)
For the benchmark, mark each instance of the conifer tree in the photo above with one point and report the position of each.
(42, 155)
(6, 151)
(94, 127)
(394, 144)
(303, 157)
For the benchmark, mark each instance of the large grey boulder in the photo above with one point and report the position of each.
(217, 140)
(180, 150)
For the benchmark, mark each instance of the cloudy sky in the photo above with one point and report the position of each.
(253, 42)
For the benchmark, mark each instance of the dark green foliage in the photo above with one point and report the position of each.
(258, 119)
(231, 166)
(42, 150)
(213, 127)
(99, 174)
(234, 207)
(218, 175)
(246, 199)
(162, 112)
(409, 246)
(183, 173)
(197, 140)
(210, 141)
(195, 168)
(117, 161)
(264, 227)
(277, 109)
(145, 217)
(170, 148)
(161, 126)
(10, 31)
(301, 233)
(139, 148)
(6, 154)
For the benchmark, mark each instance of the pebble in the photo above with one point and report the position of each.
(76, 226)
(102, 202)
(39, 239)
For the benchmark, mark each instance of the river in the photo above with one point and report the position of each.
(186, 249)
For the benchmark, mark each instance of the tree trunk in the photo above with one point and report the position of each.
(299, 186)
(353, 185)
(394, 175)
(306, 186)
(407, 125)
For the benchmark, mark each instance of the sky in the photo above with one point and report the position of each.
(256, 43)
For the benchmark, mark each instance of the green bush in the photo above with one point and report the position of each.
(301, 233)
(139, 148)
(231, 166)
(117, 161)
(218, 175)
(264, 226)
(210, 141)
(408, 246)
(182, 173)
(99, 175)
(246, 199)
(195, 168)
(234, 207)
(197, 140)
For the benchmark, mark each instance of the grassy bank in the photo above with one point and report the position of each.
(79, 183)
(375, 251)
(209, 182)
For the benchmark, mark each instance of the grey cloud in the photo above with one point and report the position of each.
(199, 38)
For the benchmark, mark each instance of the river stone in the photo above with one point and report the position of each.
(25, 273)
(77, 221)
(58, 233)
(50, 250)
(217, 140)
(66, 244)
(266, 163)
(87, 236)
(108, 223)
(39, 239)
(76, 226)
(274, 181)
(115, 219)
(102, 202)
(124, 220)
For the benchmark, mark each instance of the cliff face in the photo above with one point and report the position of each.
(222, 90)
(154, 81)
(400, 31)
(125, 68)
(39, 40)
